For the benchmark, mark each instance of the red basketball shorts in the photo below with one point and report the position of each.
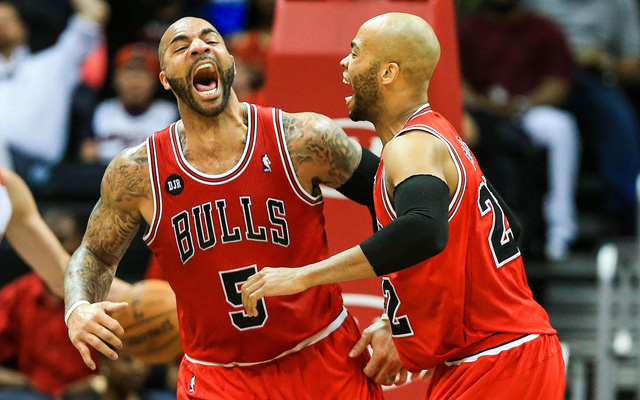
(531, 371)
(321, 371)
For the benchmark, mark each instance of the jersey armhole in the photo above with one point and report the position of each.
(152, 161)
(285, 157)
(455, 202)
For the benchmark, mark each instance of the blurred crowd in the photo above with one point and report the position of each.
(551, 95)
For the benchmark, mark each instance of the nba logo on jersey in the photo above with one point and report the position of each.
(192, 384)
(266, 163)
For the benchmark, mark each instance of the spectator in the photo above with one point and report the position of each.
(37, 357)
(36, 89)
(605, 41)
(129, 118)
(517, 71)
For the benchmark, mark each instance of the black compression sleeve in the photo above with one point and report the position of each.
(359, 187)
(420, 231)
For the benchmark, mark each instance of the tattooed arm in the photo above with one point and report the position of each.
(320, 150)
(113, 224)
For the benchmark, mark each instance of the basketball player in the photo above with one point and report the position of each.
(30, 236)
(225, 191)
(455, 287)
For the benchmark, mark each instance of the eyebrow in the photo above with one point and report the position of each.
(177, 38)
(354, 46)
(203, 31)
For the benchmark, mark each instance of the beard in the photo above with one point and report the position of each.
(365, 95)
(182, 89)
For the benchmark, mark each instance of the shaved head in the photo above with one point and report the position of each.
(405, 39)
(179, 25)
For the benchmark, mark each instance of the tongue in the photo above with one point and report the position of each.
(205, 88)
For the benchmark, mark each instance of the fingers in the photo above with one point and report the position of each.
(402, 377)
(251, 294)
(361, 344)
(101, 346)
(86, 355)
(111, 308)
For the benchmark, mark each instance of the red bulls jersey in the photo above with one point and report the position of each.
(209, 233)
(453, 304)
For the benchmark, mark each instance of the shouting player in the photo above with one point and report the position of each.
(456, 294)
(225, 191)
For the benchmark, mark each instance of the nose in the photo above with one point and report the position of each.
(344, 62)
(199, 46)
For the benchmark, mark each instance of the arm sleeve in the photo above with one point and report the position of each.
(421, 230)
(359, 187)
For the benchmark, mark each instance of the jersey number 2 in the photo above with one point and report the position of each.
(503, 244)
(231, 283)
(400, 325)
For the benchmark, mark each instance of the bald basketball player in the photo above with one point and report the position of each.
(457, 300)
(225, 191)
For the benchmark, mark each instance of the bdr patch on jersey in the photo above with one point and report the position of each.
(174, 184)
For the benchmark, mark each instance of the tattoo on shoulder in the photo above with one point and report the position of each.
(127, 177)
(317, 143)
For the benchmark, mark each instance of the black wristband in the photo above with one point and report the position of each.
(420, 231)
(359, 187)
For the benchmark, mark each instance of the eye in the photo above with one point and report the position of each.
(353, 54)
(212, 42)
(181, 48)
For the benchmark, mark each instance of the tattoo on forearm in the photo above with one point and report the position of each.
(315, 139)
(112, 226)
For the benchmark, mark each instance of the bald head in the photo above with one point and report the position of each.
(181, 25)
(405, 39)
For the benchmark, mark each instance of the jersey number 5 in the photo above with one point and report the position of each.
(231, 283)
(503, 244)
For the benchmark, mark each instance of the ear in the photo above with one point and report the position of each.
(390, 73)
(164, 81)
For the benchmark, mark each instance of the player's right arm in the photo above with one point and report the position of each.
(113, 224)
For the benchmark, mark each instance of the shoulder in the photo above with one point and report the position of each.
(127, 176)
(307, 124)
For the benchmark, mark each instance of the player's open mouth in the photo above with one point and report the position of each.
(346, 81)
(205, 80)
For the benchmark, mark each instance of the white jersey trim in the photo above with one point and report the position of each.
(285, 157)
(492, 351)
(233, 173)
(456, 201)
(332, 327)
(156, 191)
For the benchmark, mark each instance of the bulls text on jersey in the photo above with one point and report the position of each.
(201, 217)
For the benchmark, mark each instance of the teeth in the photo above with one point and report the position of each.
(208, 92)
(345, 81)
(207, 65)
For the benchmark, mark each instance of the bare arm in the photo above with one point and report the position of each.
(320, 150)
(30, 236)
(415, 153)
(113, 224)
(96, 10)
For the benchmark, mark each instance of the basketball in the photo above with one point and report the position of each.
(151, 332)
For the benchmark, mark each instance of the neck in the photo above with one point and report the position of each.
(396, 115)
(214, 144)
(227, 123)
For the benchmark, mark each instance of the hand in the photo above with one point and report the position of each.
(385, 367)
(270, 282)
(91, 325)
(97, 10)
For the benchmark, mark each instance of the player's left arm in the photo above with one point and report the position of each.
(322, 153)
(421, 173)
